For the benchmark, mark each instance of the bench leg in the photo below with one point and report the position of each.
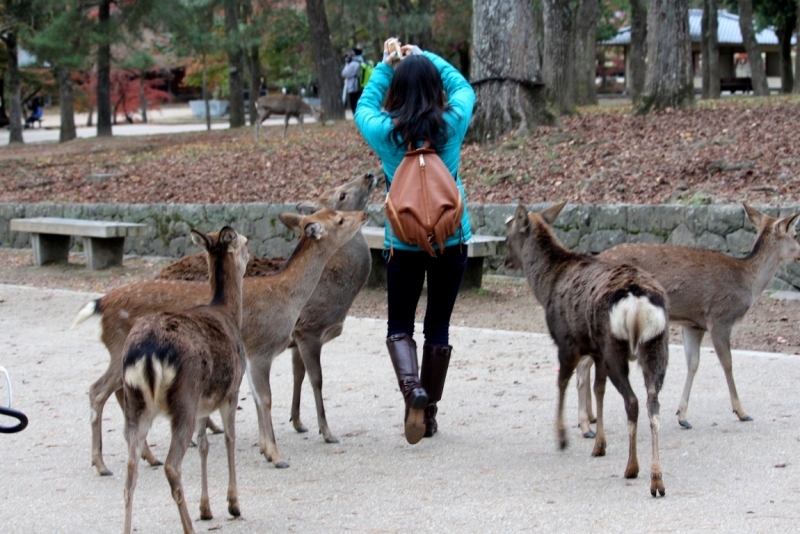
(50, 248)
(103, 252)
(473, 275)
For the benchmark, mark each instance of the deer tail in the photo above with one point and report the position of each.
(90, 309)
(636, 320)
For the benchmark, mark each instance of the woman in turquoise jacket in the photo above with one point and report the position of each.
(420, 96)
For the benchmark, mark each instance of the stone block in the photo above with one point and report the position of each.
(568, 238)
(682, 236)
(723, 220)
(740, 242)
(696, 218)
(711, 241)
(610, 217)
(646, 237)
(661, 219)
(597, 242)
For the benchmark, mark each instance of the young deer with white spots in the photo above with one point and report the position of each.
(323, 317)
(272, 305)
(186, 365)
(708, 292)
(615, 313)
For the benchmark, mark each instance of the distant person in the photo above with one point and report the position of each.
(36, 113)
(262, 87)
(351, 73)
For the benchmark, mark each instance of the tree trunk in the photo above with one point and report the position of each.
(637, 64)
(710, 40)
(586, 52)
(559, 56)
(255, 83)
(66, 105)
(785, 45)
(668, 83)
(506, 71)
(3, 113)
(796, 88)
(15, 117)
(757, 71)
(328, 70)
(205, 93)
(104, 114)
(235, 64)
(142, 98)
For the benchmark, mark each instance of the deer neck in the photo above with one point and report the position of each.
(761, 264)
(543, 257)
(226, 290)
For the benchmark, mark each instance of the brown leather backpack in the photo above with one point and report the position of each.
(424, 205)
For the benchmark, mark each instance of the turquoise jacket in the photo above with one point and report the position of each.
(375, 125)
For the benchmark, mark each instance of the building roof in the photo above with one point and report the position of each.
(728, 31)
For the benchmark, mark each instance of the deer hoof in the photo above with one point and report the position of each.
(599, 449)
(233, 508)
(301, 428)
(105, 473)
(156, 463)
(589, 434)
(205, 513)
(562, 439)
(657, 485)
(685, 424)
(743, 419)
(593, 421)
(281, 465)
(332, 439)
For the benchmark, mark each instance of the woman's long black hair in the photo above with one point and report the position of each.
(416, 103)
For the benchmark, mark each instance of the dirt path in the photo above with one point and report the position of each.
(503, 303)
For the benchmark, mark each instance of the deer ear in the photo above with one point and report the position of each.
(315, 230)
(521, 220)
(755, 216)
(227, 235)
(787, 223)
(200, 239)
(307, 207)
(551, 214)
(292, 221)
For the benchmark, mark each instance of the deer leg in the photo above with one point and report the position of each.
(582, 375)
(299, 373)
(99, 393)
(227, 412)
(692, 337)
(568, 358)
(617, 365)
(182, 427)
(600, 375)
(721, 337)
(263, 115)
(258, 375)
(285, 124)
(653, 368)
(202, 448)
(310, 351)
(147, 454)
(137, 423)
(212, 427)
(300, 121)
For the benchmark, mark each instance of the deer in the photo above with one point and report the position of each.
(708, 292)
(286, 105)
(185, 365)
(614, 313)
(271, 307)
(322, 318)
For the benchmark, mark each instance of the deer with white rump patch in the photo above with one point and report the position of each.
(323, 317)
(708, 292)
(614, 313)
(286, 105)
(186, 365)
(272, 305)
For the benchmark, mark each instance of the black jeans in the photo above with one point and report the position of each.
(405, 274)
(353, 97)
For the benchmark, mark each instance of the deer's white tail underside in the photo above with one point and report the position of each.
(636, 320)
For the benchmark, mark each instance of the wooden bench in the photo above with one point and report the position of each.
(479, 247)
(103, 241)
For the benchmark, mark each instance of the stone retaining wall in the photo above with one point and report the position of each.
(723, 228)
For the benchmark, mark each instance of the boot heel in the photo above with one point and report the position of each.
(420, 401)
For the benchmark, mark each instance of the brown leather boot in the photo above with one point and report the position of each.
(435, 360)
(403, 352)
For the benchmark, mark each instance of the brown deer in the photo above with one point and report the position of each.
(286, 105)
(615, 313)
(708, 292)
(272, 305)
(323, 317)
(186, 365)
